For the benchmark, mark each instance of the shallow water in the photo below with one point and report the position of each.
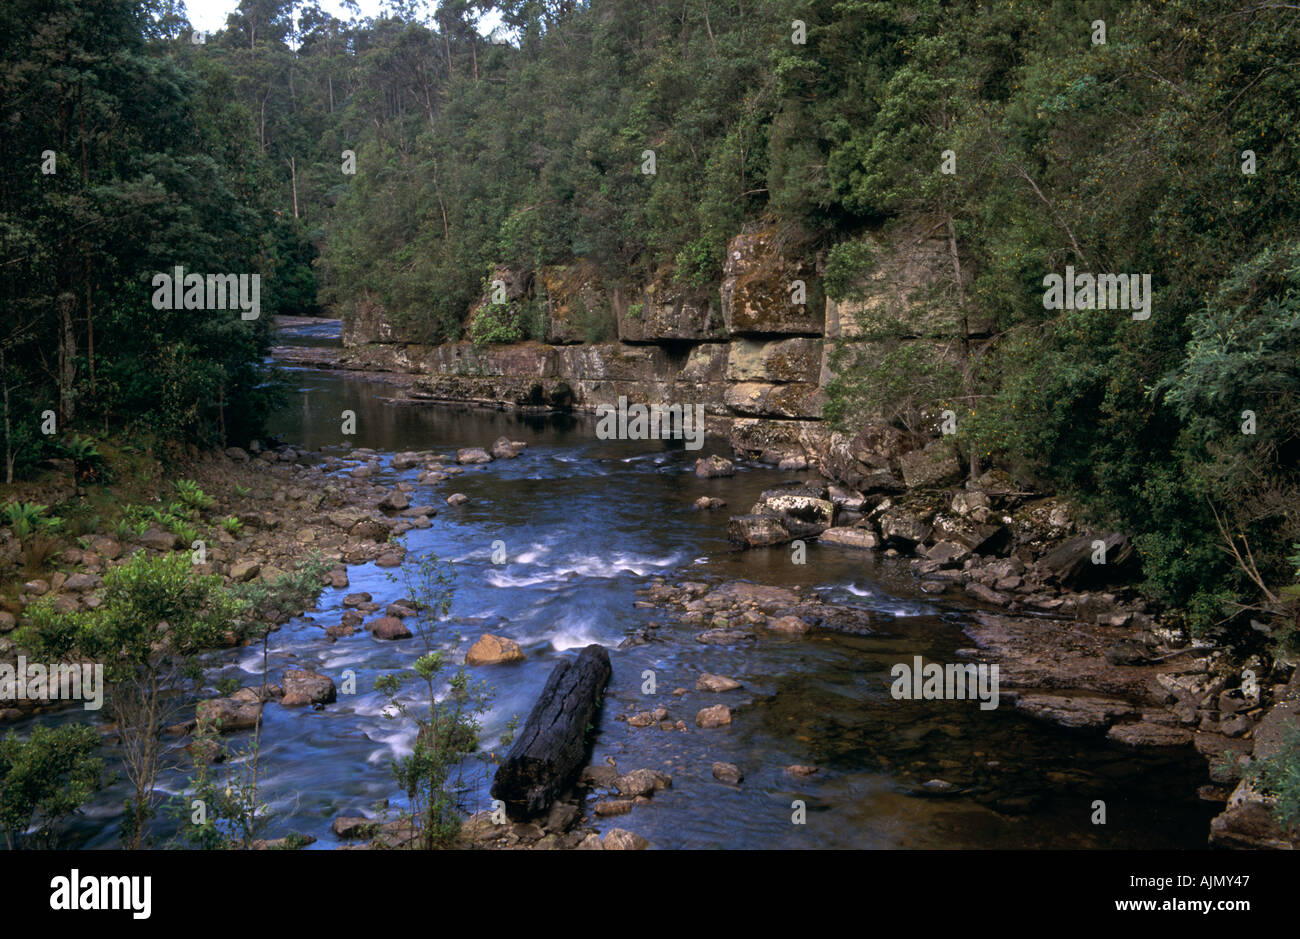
(585, 523)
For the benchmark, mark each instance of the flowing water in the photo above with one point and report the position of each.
(585, 523)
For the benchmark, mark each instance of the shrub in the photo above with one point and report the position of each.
(43, 780)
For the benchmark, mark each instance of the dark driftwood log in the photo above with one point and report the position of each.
(552, 748)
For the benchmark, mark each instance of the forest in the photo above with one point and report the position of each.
(397, 160)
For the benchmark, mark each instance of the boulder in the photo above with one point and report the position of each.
(728, 773)
(303, 686)
(719, 715)
(241, 572)
(506, 449)
(1071, 562)
(389, 628)
(473, 455)
(757, 531)
(711, 682)
(900, 528)
(616, 839)
(395, 501)
(494, 650)
(863, 538)
(713, 466)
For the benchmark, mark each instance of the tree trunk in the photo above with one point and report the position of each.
(552, 749)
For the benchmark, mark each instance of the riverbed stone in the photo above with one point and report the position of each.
(472, 455)
(389, 628)
(494, 650)
(304, 687)
(618, 839)
(713, 466)
(719, 715)
(728, 773)
(716, 683)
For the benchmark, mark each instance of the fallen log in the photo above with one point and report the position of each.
(552, 748)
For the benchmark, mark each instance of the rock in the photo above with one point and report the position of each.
(303, 686)
(1081, 712)
(934, 466)
(981, 539)
(642, 782)
(354, 600)
(562, 817)
(716, 683)
(1249, 825)
(713, 466)
(788, 625)
(793, 463)
(342, 630)
(728, 773)
(975, 505)
(801, 770)
(616, 839)
(7, 621)
(1070, 563)
(370, 529)
(947, 553)
(407, 459)
(803, 513)
(395, 501)
(900, 528)
(494, 650)
(346, 826)
(723, 637)
(1146, 734)
(709, 503)
(757, 531)
(590, 843)
(472, 455)
(598, 776)
(37, 588)
(228, 715)
(987, 594)
(609, 807)
(863, 538)
(237, 454)
(338, 579)
(389, 628)
(388, 559)
(158, 540)
(80, 582)
(506, 449)
(241, 572)
(457, 498)
(717, 716)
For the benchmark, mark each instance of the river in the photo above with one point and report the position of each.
(585, 523)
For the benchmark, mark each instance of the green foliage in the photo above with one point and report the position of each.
(192, 496)
(232, 525)
(447, 726)
(496, 322)
(847, 265)
(43, 780)
(286, 595)
(156, 617)
(25, 518)
(1278, 776)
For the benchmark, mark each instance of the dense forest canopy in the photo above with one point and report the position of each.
(396, 161)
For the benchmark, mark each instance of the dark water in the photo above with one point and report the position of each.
(585, 523)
